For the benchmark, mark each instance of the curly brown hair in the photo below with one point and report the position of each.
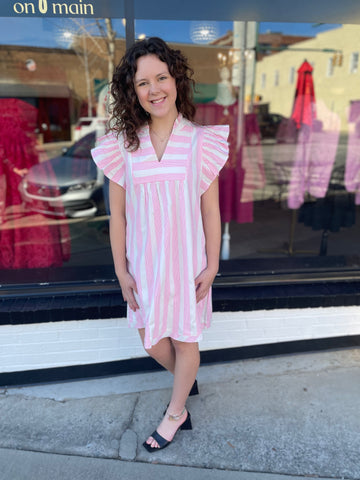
(127, 114)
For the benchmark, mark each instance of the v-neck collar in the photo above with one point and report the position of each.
(175, 126)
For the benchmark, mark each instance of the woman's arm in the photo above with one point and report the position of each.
(118, 243)
(210, 212)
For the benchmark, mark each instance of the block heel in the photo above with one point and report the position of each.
(194, 389)
(187, 424)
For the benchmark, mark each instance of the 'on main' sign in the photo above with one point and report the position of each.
(62, 8)
(44, 7)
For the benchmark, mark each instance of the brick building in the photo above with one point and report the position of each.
(56, 84)
(268, 43)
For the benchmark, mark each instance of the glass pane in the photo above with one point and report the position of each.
(53, 215)
(289, 193)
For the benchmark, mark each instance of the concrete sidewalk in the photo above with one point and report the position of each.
(266, 419)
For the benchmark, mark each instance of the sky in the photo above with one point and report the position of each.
(40, 32)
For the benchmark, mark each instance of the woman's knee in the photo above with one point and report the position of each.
(185, 347)
(160, 349)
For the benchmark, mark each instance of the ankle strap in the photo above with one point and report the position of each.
(176, 417)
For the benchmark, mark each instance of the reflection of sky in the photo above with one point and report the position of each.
(45, 32)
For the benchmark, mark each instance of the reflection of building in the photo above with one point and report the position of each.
(45, 85)
(54, 84)
(334, 55)
(53, 81)
(267, 43)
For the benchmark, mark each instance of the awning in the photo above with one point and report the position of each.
(327, 11)
(20, 90)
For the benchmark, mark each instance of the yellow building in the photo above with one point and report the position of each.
(334, 56)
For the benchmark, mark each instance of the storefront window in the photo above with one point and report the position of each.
(289, 193)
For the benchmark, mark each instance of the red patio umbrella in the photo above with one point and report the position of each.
(304, 111)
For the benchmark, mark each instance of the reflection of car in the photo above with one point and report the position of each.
(269, 124)
(288, 131)
(86, 125)
(69, 185)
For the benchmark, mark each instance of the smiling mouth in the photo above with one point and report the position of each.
(160, 100)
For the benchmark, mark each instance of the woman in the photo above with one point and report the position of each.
(165, 226)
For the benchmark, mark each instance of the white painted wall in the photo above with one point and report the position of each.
(46, 345)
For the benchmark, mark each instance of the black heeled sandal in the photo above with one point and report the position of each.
(194, 389)
(162, 442)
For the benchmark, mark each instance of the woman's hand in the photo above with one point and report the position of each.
(203, 283)
(20, 171)
(128, 287)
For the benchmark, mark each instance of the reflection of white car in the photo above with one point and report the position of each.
(86, 125)
(70, 185)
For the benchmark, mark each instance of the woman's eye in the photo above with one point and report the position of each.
(163, 78)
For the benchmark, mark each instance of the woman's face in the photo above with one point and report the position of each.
(155, 88)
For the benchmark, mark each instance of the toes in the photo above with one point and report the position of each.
(152, 442)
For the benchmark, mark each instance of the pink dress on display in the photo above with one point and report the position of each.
(243, 172)
(165, 242)
(26, 240)
(352, 169)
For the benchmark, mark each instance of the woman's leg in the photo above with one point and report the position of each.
(163, 352)
(187, 360)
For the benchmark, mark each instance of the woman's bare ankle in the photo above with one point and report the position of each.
(175, 416)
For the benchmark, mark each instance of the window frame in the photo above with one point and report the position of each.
(354, 63)
(330, 67)
(263, 80)
(276, 78)
(345, 13)
(292, 74)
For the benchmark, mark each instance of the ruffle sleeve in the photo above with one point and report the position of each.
(108, 157)
(215, 152)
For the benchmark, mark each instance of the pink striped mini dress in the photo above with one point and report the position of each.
(165, 242)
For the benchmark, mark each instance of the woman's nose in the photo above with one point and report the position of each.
(154, 88)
